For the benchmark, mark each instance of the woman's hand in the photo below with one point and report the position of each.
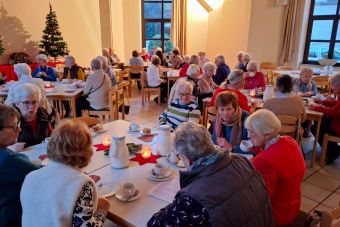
(103, 204)
(223, 143)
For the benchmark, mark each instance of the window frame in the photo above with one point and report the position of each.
(332, 41)
(162, 21)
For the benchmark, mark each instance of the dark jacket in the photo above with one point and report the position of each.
(222, 73)
(73, 72)
(28, 136)
(232, 191)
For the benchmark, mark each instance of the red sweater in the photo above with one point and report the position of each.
(255, 82)
(242, 99)
(282, 167)
(331, 108)
(183, 71)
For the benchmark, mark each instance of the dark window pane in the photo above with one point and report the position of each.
(153, 30)
(167, 10)
(151, 45)
(167, 27)
(152, 10)
(336, 54)
(322, 29)
(325, 7)
(318, 50)
(168, 46)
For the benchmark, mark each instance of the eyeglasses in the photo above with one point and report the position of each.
(15, 127)
(181, 95)
(29, 103)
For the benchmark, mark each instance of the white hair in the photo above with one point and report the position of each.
(208, 66)
(159, 49)
(70, 59)
(246, 56)
(186, 59)
(253, 64)
(41, 57)
(182, 85)
(25, 90)
(306, 72)
(96, 64)
(193, 69)
(263, 122)
(104, 60)
(193, 141)
(22, 69)
(335, 79)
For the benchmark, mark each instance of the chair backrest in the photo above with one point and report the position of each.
(267, 66)
(112, 101)
(321, 81)
(136, 69)
(282, 67)
(120, 76)
(210, 113)
(267, 69)
(89, 121)
(291, 126)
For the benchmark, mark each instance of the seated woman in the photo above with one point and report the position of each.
(175, 59)
(136, 60)
(202, 58)
(69, 151)
(182, 109)
(239, 64)
(234, 83)
(154, 80)
(108, 70)
(331, 120)
(97, 89)
(285, 101)
(34, 121)
(72, 70)
(206, 85)
(222, 70)
(113, 57)
(253, 77)
(246, 58)
(203, 199)
(14, 167)
(185, 66)
(229, 130)
(144, 55)
(43, 71)
(161, 56)
(305, 85)
(281, 165)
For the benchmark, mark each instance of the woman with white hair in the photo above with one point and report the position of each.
(254, 79)
(281, 165)
(205, 83)
(305, 85)
(108, 70)
(72, 70)
(331, 120)
(96, 90)
(222, 70)
(202, 58)
(182, 109)
(34, 122)
(153, 78)
(44, 71)
(239, 64)
(185, 66)
(246, 58)
(218, 189)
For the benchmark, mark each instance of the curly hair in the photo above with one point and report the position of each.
(71, 144)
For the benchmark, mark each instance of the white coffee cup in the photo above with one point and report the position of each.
(46, 140)
(128, 189)
(160, 169)
(246, 145)
(172, 157)
(134, 126)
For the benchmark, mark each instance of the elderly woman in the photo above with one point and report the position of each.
(96, 90)
(331, 120)
(281, 165)
(222, 70)
(304, 84)
(154, 80)
(43, 71)
(13, 168)
(114, 59)
(161, 56)
(23, 72)
(246, 58)
(285, 97)
(144, 55)
(34, 121)
(234, 83)
(203, 200)
(229, 130)
(205, 83)
(239, 64)
(202, 58)
(175, 59)
(182, 109)
(70, 151)
(108, 70)
(253, 77)
(185, 66)
(136, 60)
(72, 70)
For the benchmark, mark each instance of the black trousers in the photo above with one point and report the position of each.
(136, 76)
(200, 100)
(82, 104)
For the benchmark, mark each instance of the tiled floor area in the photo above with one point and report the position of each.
(320, 187)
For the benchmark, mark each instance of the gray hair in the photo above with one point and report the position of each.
(247, 56)
(220, 57)
(70, 59)
(236, 76)
(335, 79)
(182, 85)
(96, 64)
(186, 59)
(253, 64)
(195, 59)
(193, 141)
(41, 57)
(25, 90)
(193, 69)
(104, 60)
(306, 72)
(263, 122)
(22, 69)
(208, 66)
(106, 52)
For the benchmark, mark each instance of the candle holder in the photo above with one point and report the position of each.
(146, 151)
(106, 140)
(252, 93)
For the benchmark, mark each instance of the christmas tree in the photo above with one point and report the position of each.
(53, 43)
(2, 49)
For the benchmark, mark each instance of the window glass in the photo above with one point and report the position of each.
(318, 50)
(322, 29)
(153, 30)
(325, 7)
(167, 30)
(153, 10)
(167, 10)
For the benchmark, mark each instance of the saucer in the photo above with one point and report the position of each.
(105, 189)
(136, 130)
(127, 199)
(152, 175)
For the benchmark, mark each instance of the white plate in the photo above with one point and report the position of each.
(105, 189)
(124, 199)
(153, 177)
(153, 132)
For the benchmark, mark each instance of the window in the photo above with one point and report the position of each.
(156, 24)
(323, 34)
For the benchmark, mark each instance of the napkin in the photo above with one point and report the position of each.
(101, 147)
(146, 138)
(43, 157)
(142, 161)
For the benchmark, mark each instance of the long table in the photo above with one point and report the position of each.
(296, 73)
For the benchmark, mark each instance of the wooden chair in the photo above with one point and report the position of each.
(89, 121)
(119, 76)
(127, 77)
(290, 126)
(327, 137)
(135, 70)
(146, 90)
(283, 67)
(267, 69)
(323, 84)
(209, 115)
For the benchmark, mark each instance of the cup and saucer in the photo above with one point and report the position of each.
(173, 159)
(134, 127)
(160, 172)
(127, 192)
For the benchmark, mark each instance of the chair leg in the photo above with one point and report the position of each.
(324, 149)
(159, 97)
(143, 93)
(149, 94)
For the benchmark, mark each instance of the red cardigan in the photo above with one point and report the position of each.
(282, 167)
(255, 82)
(331, 108)
(242, 99)
(183, 71)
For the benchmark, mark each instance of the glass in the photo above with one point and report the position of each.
(167, 30)
(318, 50)
(153, 30)
(167, 10)
(14, 127)
(325, 7)
(336, 54)
(28, 103)
(322, 29)
(153, 10)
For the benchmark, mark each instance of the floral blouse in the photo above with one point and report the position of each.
(84, 214)
(184, 211)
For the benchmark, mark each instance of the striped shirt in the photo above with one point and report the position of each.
(177, 113)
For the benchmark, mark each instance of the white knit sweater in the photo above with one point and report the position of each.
(48, 195)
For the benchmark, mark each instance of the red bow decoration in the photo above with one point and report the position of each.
(101, 147)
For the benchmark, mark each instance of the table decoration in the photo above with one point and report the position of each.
(139, 158)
